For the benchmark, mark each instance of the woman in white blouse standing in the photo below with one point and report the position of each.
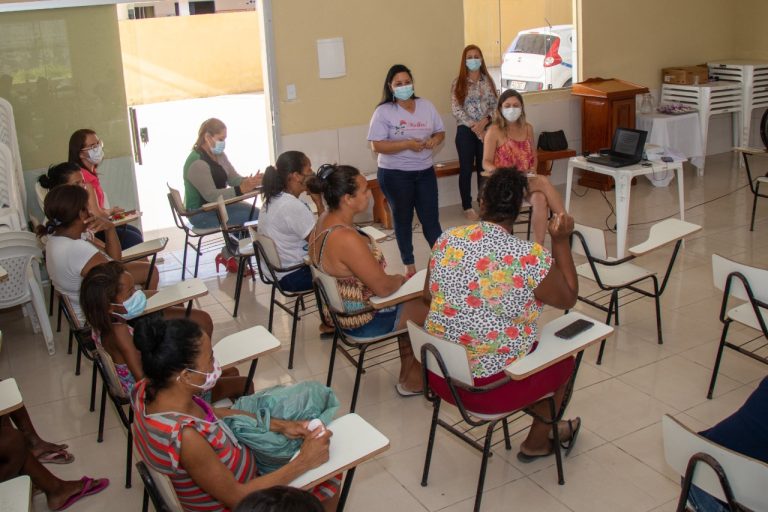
(473, 100)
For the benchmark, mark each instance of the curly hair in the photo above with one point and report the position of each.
(502, 195)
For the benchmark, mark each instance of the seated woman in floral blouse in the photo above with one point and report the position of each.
(488, 288)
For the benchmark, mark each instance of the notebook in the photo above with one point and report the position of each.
(626, 149)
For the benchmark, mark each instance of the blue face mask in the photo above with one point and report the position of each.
(474, 64)
(404, 92)
(134, 306)
(218, 147)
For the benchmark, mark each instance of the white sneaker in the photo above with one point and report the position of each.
(471, 214)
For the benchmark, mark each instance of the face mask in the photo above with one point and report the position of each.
(134, 306)
(96, 155)
(512, 114)
(474, 64)
(404, 92)
(210, 378)
(218, 147)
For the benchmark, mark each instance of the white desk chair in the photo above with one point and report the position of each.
(17, 252)
(754, 185)
(612, 275)
(269, 265)
(179, 293)
(736, 479)
(16, 494)
(246, 345)
(450, 361)
(242, 249)
(748, 284)
(354, 349)
(181, 217)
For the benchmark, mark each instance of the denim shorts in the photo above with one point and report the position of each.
(383, 322)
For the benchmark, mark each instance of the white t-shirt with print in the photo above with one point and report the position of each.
(287, 220)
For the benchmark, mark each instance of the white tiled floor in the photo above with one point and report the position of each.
(618, 463)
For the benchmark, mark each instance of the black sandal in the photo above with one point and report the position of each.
(568, 445)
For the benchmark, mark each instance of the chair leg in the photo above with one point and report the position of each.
(329, 379)
(249, 379)
(718, 358)
(184, 261)
(145, 502)
(607, 321)
(271, 309)
(358, 375)
(345, 489)
(430, 442)
(58, 320)
(556, 441)
(78, 359)
(238, 285)
(293, 333)
(754, 207)
(102, 412)
(197, 256)
(129, 450)
(507, 440)
(658, 310)
(484, 465)
(92, 403)
(70, 341)
(50, 301)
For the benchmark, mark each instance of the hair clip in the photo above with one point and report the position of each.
(325, 170)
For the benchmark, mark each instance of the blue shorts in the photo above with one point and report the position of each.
(383, 322)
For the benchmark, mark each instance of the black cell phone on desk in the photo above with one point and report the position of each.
(574, 328)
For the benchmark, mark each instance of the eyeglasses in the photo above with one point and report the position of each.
(98, 144)
(325, 170)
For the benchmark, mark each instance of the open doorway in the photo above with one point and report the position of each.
(180, 71)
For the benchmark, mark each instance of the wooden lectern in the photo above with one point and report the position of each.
(606, 104)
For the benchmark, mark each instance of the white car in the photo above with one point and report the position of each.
(540, 59)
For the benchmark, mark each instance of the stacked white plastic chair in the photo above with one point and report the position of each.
(12, 191)
(20, 256)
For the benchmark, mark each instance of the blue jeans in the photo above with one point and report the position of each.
(384, 321)
(127, 234)
(406, 190)
(705, 502)
(470, 150)
(239, 214)
(297, 281)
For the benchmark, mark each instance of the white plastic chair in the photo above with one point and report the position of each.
(240, 248)
(17, 251)
(612, 275)
(9, 137)
(10, 206)
(181, 217)
(736, 479)
(748, 284)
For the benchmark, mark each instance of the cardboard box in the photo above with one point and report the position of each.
(685, 75)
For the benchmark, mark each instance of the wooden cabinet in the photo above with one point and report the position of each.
(606, 104)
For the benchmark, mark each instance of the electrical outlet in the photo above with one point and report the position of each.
(290, 92)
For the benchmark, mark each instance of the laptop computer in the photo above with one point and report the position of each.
(626, 149)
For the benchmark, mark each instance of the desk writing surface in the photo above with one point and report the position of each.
(176, 294)
(248, 195)
(552, 349)
(145, 248)
(245, 345)
(10, 396)
(16, 494)
(354, 441)
(411, 289)
(126, 219)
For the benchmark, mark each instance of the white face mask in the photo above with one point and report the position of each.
(511, 114)
(96, 155)
(210, 378)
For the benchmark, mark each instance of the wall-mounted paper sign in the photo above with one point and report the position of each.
(330, 57)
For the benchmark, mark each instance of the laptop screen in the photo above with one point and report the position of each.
(628, 142)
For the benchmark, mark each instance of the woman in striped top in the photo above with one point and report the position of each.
(182, 436)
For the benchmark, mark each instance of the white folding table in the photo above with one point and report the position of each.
(622, 176)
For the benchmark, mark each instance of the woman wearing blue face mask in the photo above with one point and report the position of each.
(208, 174)
(109, 300)
(404, 130)
(473, 100)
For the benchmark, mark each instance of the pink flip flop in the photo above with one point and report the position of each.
(90, 487)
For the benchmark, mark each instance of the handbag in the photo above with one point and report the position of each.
(553, 141)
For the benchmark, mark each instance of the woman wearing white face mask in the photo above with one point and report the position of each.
(473, 100)
(87, 151)
(403, 132)
(509, 143)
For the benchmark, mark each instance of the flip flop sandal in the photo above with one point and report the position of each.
(405, 392)
(56, 457)
(90, 487)
(525, 458)
(568, 445)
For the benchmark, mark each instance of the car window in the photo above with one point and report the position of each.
(537, 44)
